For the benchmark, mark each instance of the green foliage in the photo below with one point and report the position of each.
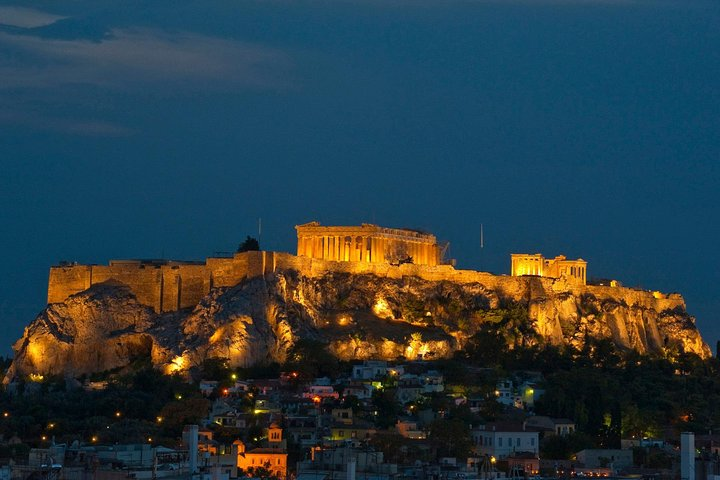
(263, 473)
(413, 309)
(652, 457)
(261, 370)
(451, 438)
(386, 406)
(311, 359)
(250, 244)
(185, 411)
(398, 449)
(558, 447)
(608, 392)
(499, 332)
(216, 368)
(126, 411)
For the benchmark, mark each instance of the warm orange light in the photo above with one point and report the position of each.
(94, 439)
(225, 391)
(117, 414)
(177, 364)
(316, 399)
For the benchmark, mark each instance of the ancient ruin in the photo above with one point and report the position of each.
(367, 243)
(558, 267)
(171, 285)
(363, 303)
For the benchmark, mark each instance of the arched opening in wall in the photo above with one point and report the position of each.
(346, 250)
(368, 249)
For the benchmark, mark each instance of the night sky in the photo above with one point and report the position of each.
(166, 129)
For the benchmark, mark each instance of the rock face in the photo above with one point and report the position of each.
(360, 316)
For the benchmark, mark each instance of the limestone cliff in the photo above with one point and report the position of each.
(358, 315)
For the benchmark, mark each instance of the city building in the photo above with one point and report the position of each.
(501, 440)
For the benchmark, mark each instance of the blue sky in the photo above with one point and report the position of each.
(144, 129)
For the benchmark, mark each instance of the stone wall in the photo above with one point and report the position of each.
(67, 280)
(173, 286)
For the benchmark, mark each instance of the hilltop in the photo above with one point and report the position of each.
(360, 311)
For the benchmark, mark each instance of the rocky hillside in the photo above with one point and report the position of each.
(359, 316)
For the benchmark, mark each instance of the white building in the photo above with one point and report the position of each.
(505, 393)
(320, 391)
(433, 381)
(501, 440)
(605, 457)
(369, 370)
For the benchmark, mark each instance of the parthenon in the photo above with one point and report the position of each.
(367, 243)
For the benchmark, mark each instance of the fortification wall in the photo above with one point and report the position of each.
(183, 286)
(226, 272)
(522, 287)
(67, 280)
(170, 287)
(144, 281)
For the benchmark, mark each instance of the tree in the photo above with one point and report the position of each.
(558, 447)
(261, 472)
(386, 406)
(451, 438)
(311, 359)
(215, 368)
(250, 244)
(183, 412)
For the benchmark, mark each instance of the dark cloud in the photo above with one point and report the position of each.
(24, 17)
(142, 59)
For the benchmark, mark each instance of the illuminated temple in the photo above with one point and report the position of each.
(367, 243)
(558, 267)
